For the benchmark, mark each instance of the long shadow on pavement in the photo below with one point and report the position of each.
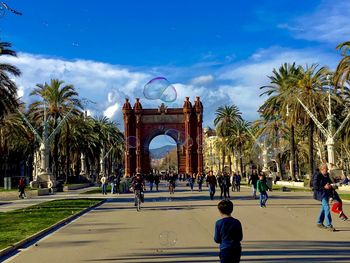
(253, 251)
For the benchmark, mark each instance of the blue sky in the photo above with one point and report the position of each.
(219, 50)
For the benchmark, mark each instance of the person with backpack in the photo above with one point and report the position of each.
(212, 183)
(262, 188)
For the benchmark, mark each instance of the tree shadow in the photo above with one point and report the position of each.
(253, 251)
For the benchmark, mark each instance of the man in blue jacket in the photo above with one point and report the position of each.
(322, 189)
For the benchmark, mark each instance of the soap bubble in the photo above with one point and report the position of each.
(2, 11)
(160, 88)
(168, 238)
(131, 141)
(179, 137)
(169, 94)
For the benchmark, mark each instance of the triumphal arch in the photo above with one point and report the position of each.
(184, 125)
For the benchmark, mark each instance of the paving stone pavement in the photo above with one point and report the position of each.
(180, 229)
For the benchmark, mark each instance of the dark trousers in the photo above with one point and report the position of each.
(232, 255)
(238, 186)
(221, 191)
(226, 192)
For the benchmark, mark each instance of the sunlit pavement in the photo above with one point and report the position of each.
(180, 229)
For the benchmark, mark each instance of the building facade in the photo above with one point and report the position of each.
(213, 154)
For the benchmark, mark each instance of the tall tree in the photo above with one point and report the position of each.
(57, 99)
(281, 88)
(226, 117)
(8, 88)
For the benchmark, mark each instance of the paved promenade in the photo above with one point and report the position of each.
(180, 229)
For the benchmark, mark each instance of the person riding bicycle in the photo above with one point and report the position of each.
(138, 184)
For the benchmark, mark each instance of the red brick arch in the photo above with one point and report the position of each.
(184, 125)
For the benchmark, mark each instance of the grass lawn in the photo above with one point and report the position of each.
(97, 191)
(292, 189)
(2, 189)
(19, 224)
(345, 196)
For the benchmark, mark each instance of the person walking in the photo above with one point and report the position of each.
(156, 181)
(191, 180)
(112, 185)
(200, 179)
(220, 182)
(262, 188)
(226, 185)
(237, 182)
(117, 184)
(212, 183)
(322, 191)
(151, 181)
(253, 179)
(228, 233)
(104, 184)
(233, 180)
(21, 187)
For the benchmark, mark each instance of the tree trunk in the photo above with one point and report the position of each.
(279, 160)
(292, 152)
(311, 148)
(223, 159)
(230, 162)
(67, 153)
(241, 159)
(55, 149)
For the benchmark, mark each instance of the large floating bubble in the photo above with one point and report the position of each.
(2, 11)
(160, 88)
(179, 137)
(168, 238)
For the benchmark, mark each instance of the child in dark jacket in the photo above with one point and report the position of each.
(262, 189)
(229, 234)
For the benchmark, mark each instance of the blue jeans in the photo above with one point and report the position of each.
(104, 189)
(263, 198)
(112, 189)
(211, 191)
(325, 213)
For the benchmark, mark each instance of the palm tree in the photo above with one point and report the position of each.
(238, 137)
(8, 88)
(226, 116)
(342, 74)
(281, 88)
(17, 142)
(58, 100)
(310, 85)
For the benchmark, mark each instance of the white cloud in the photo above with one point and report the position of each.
(247, 77)
(202, 80)
(108, 85)
(102, 83)
(111, 111)
(330, 23)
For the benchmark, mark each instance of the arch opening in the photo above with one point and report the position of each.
(164, 154)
